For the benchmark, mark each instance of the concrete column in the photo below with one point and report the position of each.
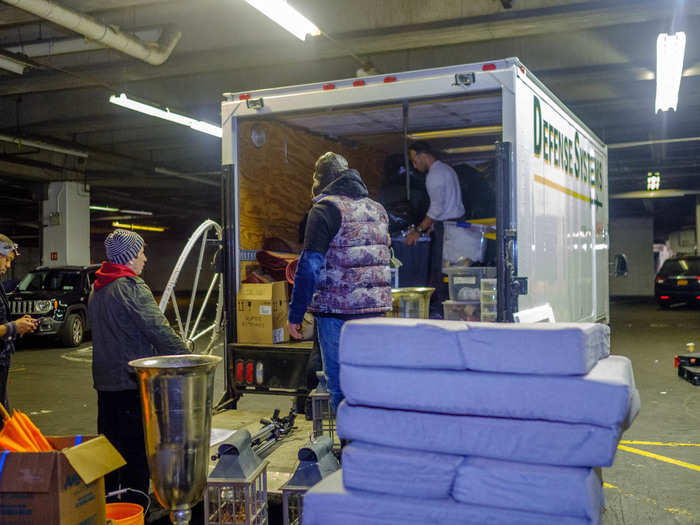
(66, 225)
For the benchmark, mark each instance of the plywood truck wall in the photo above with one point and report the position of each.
(275, 179)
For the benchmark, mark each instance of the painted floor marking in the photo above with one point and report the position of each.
(659, 443)
(659, 457)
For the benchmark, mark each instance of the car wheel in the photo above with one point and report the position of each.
(73, 330)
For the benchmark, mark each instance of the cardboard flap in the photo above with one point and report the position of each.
(94, 458)
(28, 471)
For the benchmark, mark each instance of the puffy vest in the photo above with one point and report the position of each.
(356, 278)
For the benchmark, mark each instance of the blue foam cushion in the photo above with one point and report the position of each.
(398, 471)
(329, 503)
(539, 348)
(528, 441)
(605, 396)
(575, 491)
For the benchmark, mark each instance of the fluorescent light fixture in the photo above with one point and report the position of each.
(653, 181)
(11, 65)
(198, 125)
(471, 149)
(282, 13)
(103, 208)
(117, 224)
(137, 212)
(461, 132)
(670, 50)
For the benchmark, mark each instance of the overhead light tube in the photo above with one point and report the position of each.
(198, 125)
(670, 50)
(117, 224)
(103, 208)
(282, 13)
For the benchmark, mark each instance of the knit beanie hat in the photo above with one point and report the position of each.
(123, 246)
(329, 167)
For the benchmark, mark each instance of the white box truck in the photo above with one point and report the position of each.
(550, 170)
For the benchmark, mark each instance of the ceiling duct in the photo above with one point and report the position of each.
(154, 53)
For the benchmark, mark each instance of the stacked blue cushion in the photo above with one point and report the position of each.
(465, 417)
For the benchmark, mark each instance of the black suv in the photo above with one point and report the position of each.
(678, 281)
(58, 297)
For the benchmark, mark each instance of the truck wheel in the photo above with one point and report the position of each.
(72, 331)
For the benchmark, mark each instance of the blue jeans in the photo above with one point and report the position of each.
(329, 337)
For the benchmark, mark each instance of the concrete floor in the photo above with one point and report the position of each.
(654, 484)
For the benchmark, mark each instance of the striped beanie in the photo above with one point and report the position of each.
(122, 246)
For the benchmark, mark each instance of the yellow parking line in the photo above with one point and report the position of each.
(660, 443)
(17, 369)
(658, 457)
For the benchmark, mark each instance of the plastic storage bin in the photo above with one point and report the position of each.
(465, 281)
(464, 240)
(461, 310)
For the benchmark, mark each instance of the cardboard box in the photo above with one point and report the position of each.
(64, 487)
(262, 313)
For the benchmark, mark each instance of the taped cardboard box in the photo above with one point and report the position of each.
(62, 487)
(261, 315)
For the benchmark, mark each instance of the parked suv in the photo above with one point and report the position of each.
(58, 297)
(678, 281)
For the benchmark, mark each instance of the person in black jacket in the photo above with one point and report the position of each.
(9, 330)
(126, 324)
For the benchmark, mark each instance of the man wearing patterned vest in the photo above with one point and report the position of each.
(343, 271)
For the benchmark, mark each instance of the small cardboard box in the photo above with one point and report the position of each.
(62, 487)
(262, 313)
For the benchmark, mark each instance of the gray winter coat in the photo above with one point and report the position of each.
(126, 324)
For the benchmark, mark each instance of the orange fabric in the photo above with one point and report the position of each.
(19, 434)
(30, 428)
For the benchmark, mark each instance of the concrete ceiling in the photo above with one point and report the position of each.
(597, 56)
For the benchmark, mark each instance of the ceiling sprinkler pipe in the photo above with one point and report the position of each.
(154, 53)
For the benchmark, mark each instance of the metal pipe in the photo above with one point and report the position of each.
(173, 173)
(622, 145)
(40, 144)
(154, 53)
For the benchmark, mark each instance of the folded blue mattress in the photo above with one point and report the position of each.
(527, 441)
(569, 491)
(329, 503)
(606, 396)
(538, 348)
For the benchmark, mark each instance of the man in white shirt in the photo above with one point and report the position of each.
(445, 204)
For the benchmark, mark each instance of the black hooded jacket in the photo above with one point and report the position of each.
(324, 218)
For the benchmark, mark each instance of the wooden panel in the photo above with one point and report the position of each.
(275, 179)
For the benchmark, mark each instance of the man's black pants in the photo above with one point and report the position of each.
(119, 419)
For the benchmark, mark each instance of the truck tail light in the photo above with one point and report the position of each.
(664, 297)
(239, 371)
(259, 368)
(660, 280)
(249, 372)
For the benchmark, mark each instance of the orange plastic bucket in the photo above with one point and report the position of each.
(125, 513)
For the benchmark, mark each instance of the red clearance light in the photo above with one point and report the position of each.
(244, 96)
(698, 297)
(358, 83)
(488, 67)
(239, 371)
(389, 79)
(663, 297)
(676, 361)
(328, 87)
(249, 372)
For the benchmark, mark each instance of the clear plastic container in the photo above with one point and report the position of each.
(465, 281)
(489, 317)
(461, 310)
(489, 297)
(489, 285)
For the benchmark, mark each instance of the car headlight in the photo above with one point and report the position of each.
(43, 306)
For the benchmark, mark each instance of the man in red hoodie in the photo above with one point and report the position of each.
(126, 324)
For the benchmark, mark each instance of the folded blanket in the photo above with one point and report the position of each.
(329, 503)
(606, 396)
(539, 348)
(527, 441)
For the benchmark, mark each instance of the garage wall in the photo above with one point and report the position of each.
(634, 237)
(276, 179)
